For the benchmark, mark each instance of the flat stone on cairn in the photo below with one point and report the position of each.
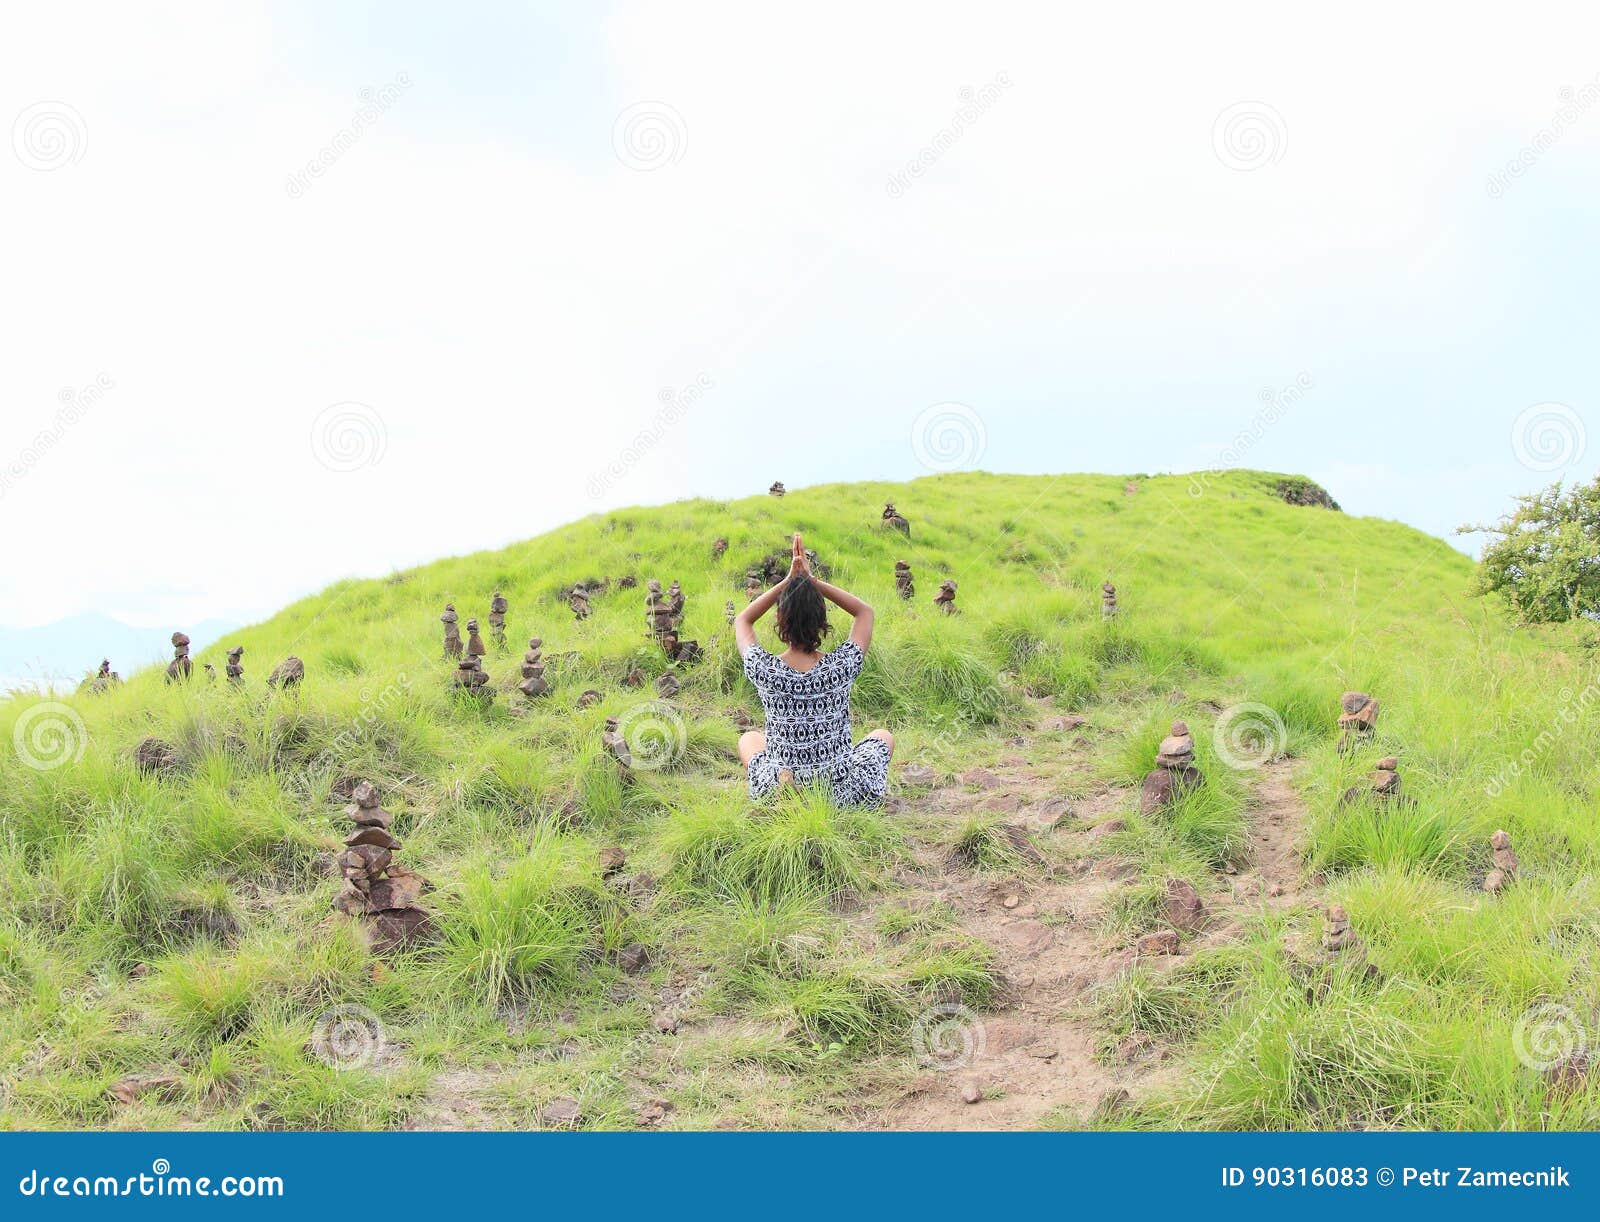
(381, 895)
(903, 583)
(668, 685)
(1174, 773)
(236, 664)
(452, 634)
(588, 697)
(474, 642)
(1506, 863)
(1358, 717)
(1383, 785)
(777, 489)
(498, 606)
(533, 680)
(578, 600)
(945, 599)
(180, 668)
(288, 673)
(471, 678)
(893, 520)
(1108, 601)
(685, 653)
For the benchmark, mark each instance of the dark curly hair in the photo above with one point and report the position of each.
(802, 615)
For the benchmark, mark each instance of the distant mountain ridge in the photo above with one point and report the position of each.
(60, 653)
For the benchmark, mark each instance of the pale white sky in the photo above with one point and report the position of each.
(550, 229)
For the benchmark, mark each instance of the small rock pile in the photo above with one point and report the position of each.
(1108, 601)
(903, 584)
(236, 664)
(1337, 936)
(473, 679)
(718, 548)
(1382, 786)
(668, 685)
(378, 893)
(533, 681)
(498, 606)
(1174, 773)
(663, 614)
(452, 634)
(152, 756)
(287, 674)
(578, 600)
(1358, 717)
(729, 613)
(1506, 863)
(180, 668)
(104, 679)
(752, 586)
(893, 520)
(777, 489)
(945, 599)
(475, 647)
(615, 744)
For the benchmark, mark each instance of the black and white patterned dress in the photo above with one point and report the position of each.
(808, 727)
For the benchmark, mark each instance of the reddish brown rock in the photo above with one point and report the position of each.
(1182, 906)
(945, 599)
(152, 756)
(287, 674)
(452, 634)
(612, 861)
(893, 520)
(180, 668)
(1506, 862)
(904, 585)
(777, 489)
(1162, 942)
(1108, 601)
(498, 606)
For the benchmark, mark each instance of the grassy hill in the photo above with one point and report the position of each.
(168, 957)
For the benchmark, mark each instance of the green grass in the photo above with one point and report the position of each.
(180, 924)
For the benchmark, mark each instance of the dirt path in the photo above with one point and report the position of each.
(1040, 1051)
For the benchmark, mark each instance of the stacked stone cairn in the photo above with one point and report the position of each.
(1382, 786)
(379, 894)
(945, 599)
(533, 681)
(719, 548)
(615, 744)
(473, 679)
(1108, 601)
(893, 520)
(1358, 718)
(180, 668)
(752, 586)
(1174, 773)
(287, 674)
(475, 646)
(103, 679)
(452, 634)
(903, 583)
(668, 685)
(211, 673)
(498, 606)
(1337, 936)
(578, 600)
(236, 664)
(777, 489)
(1506, 863)
(729, 612)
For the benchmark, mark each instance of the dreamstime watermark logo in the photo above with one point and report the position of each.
(654, 734)
(347, 1037)
(49, 136)
(1573, 103)
(49, 735)
(1571, 710)
(1249, 135)
(349, 436)
(1276, 404)
(374, 102)
(1550, 1034)
(649, 136)
(76, 403)
(1548, 437)
(974, 103)
(1247, 736)
(949, 437)
(948, 1036)
(675, 405)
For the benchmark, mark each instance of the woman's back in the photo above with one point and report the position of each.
(807, 712)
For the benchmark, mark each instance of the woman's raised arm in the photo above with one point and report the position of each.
(858, 609)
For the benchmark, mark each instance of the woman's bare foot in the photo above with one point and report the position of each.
(785, 778)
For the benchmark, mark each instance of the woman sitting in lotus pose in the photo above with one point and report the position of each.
(805, 693)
